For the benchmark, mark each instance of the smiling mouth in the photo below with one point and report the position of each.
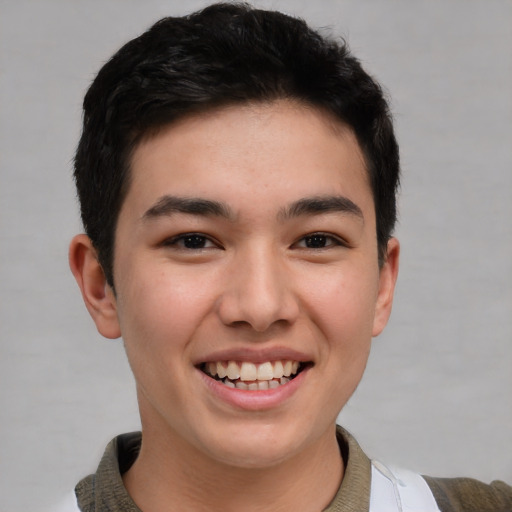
(251, 376)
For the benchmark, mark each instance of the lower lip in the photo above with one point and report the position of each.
(254, 400)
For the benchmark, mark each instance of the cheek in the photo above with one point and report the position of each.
(343, 305)
(159, 313)
(344, 312)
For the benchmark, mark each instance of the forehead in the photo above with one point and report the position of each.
(263, 146)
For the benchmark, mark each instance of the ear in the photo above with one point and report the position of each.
(98, 296)
(387, 281)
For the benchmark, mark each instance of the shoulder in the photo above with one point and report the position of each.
(85, 494)
(469, 495)
(104, 490)
(395, 489)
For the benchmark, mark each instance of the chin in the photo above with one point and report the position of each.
(252, 448)
(253, 457)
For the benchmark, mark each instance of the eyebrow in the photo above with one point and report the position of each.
(321, 204)
(167, 205)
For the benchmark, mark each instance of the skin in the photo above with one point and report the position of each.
(253, 285)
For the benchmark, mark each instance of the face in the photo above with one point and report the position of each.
(247, 280)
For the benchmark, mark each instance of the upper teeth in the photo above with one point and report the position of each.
(250, 371)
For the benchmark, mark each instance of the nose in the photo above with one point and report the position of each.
(259, 292)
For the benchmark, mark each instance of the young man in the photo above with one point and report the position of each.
(237, 176)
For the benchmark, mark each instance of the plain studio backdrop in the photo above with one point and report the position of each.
(437, 394)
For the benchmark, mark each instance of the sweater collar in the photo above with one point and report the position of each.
(104, 491)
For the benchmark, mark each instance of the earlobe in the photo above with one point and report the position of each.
(98, 296)
(387, 281)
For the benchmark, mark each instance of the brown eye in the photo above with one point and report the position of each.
(192, 241)
(318, 241)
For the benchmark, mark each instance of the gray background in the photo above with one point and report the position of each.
(437, 396)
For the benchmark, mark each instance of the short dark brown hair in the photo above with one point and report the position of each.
(222, 55)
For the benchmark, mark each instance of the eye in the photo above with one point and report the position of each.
(192, 241)
(319, 241)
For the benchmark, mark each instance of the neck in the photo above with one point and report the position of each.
(170, 471)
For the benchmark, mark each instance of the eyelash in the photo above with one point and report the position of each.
(175, 241)
(335, 241)
(199, 238)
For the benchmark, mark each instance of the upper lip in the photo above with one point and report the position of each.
(256, 356)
